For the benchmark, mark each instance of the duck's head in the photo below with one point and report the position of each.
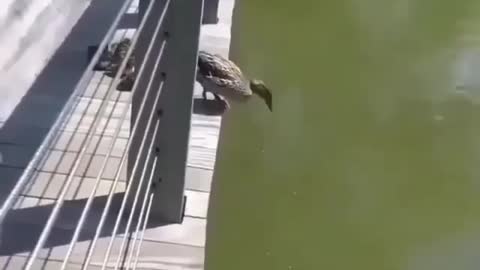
(258, 87)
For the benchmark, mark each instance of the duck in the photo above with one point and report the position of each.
(126, 82)
(226, 81)
(119, 51)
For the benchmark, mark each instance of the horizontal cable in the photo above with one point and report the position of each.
(59, 202)
(144, 227)
(139, 188)
(122, 162)
(135, 167)
(133, 207)
(142, 212)
(66, 111)
(157, 29)
(112, 143)
(110, 195)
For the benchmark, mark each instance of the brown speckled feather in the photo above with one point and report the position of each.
(224, 79)
(221, 71)
(119, 52)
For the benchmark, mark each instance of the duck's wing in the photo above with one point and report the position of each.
(122, 48)
(119, 51)
(218, 67)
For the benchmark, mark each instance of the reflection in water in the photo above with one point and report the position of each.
(467, 69)
(458, 251)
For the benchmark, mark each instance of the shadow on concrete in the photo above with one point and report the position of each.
(31, 221)
(209, 107)
(31, 120)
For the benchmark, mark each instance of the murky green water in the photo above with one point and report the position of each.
(371, 159)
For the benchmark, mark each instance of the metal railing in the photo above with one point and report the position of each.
(165, 45)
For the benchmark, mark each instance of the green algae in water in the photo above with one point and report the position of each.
(370, 158)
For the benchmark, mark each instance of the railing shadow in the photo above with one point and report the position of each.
(208, 107)
(31, 221)
(32, 118)
(38, 111)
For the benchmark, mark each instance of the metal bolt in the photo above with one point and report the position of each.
(159, 112)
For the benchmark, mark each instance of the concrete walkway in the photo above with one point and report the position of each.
(164, 247)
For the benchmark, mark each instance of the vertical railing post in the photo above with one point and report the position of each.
(145, 37)
(178, 65)
(176, 104)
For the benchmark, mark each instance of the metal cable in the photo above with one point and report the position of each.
(157, 30)
(67, 110)
(59, 203)
(29, 185)
(117, 176)
(110, 196)
(112, 143)
(142, 213)
(103, 132)
(144, 227)
(135, 167)
(84, 114)
(137, 195)
(119, 216)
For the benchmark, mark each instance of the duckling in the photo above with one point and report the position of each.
(223, 78)
(119, 52)
(126, 82)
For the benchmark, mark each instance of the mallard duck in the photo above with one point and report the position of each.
(119, 52)
(223, 78)
(110, 62)
(126, 82)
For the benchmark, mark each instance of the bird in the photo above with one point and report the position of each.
(223, 78)
(119, 51)
(111, 59)
(126, 82)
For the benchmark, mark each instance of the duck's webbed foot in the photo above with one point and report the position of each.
(222, 101)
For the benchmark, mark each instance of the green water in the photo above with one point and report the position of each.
(371, 158)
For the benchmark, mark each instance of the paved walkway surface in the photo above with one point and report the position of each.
(164, 247)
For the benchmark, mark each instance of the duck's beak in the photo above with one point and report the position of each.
(266, 95)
